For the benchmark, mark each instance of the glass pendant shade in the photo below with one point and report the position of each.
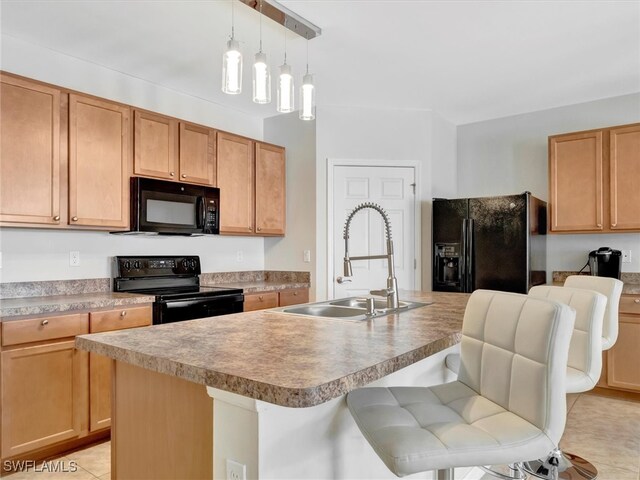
(232, 69)
(285, 90)
(307, 98)
(261, 79)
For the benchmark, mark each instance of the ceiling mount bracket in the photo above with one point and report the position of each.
(282, 15)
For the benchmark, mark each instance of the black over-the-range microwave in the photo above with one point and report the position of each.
(170, 208)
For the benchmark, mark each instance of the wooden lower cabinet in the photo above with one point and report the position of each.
(263, 300)
(44, 397)
(260, 301)
(54, 396)
(100, 366)
(621, 364)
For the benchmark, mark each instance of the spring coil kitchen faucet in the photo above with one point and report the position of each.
(391, 292)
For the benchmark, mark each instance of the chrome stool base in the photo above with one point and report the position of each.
(562, 466)
(513, 471)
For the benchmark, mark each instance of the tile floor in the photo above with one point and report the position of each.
(604, 430)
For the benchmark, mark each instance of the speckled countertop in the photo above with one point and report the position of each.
(631, 281)
(257, 281)
(13, 308)
(289, 360)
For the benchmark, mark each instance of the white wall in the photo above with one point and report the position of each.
(346, 133)
(29, 254)
(509, 155)
(299, 138)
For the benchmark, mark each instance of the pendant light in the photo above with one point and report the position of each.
(232, 63)
(307, 94)
(285, 84)
(261, 73)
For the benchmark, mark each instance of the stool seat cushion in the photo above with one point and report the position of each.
(413, 429)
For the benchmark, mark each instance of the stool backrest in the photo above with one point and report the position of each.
(585, 352)
(610, 288)
(514, 352)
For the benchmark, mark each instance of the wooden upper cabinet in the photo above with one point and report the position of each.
(155, 146)
(271, 202)
(624, 164)
(197, 154)
(576, 182)
(236, 182)
(30, 161)
(99, 159)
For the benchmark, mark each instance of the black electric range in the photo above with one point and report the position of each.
(175, 283)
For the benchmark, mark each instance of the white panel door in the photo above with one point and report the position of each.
(393, 189)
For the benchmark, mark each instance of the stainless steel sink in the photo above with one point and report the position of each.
(348, 308)
(326, 311)
(360, 302)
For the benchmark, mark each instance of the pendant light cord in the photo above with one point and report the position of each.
(307, 36)
(232, 20)
(260, 26)
(285, 42)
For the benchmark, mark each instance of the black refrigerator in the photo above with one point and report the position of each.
(495, 243)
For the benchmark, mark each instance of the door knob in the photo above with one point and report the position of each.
(259, 229)
(171, 173)
(56, 218)
(44, 322)
(637, 300)
(183, 176)
(123, 313)
(74, 219)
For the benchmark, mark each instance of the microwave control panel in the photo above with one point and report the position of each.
(211, 216)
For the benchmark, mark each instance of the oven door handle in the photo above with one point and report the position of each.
(201, 213)
(191, 302)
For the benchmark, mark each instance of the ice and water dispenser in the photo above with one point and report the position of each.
(447, 263)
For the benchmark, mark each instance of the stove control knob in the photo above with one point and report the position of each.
(185, 264)
(193, 264)
(127, 265)
(136, 264)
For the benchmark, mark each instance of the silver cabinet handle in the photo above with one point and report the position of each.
(259, 229)
(295, 294)
(44, 322)
(260, 298)
(171, 173)
(599, 225)
(56, 218)
(123, 313)
(74, 219)
(183, 175)
(637, 300)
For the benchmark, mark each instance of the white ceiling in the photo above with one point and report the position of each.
(467, 60)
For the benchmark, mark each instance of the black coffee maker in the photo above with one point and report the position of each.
(605, 262)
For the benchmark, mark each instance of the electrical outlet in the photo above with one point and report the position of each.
(626, 256)
(307, 256)
(74, 259)
(236, 471)
(239, 256)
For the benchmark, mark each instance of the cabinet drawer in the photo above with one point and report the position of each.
(294, 297)
(119, 319)
(259, 301)
(44, 328)
(630, 304)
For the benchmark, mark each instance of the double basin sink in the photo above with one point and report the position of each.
(353, 308)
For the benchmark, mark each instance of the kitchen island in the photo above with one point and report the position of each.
(277, 382)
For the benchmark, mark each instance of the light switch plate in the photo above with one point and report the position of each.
(307, 256)
(239, 256)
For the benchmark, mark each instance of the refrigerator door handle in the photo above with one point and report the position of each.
(469, 252)
(463, 257)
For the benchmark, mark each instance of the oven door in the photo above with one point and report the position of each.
(169, 311)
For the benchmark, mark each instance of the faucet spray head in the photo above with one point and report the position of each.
(348, 272)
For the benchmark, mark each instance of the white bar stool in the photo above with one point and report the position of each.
(507, 405)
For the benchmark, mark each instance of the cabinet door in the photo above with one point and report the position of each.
(100, 366)
(44, 396)
(260, 301)
(575, 182)
(197, 154)
(98, 163)
(235, 180)
(625, 178)
(271, 202)
(623, 360)
(29, 152)
(155, 146)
